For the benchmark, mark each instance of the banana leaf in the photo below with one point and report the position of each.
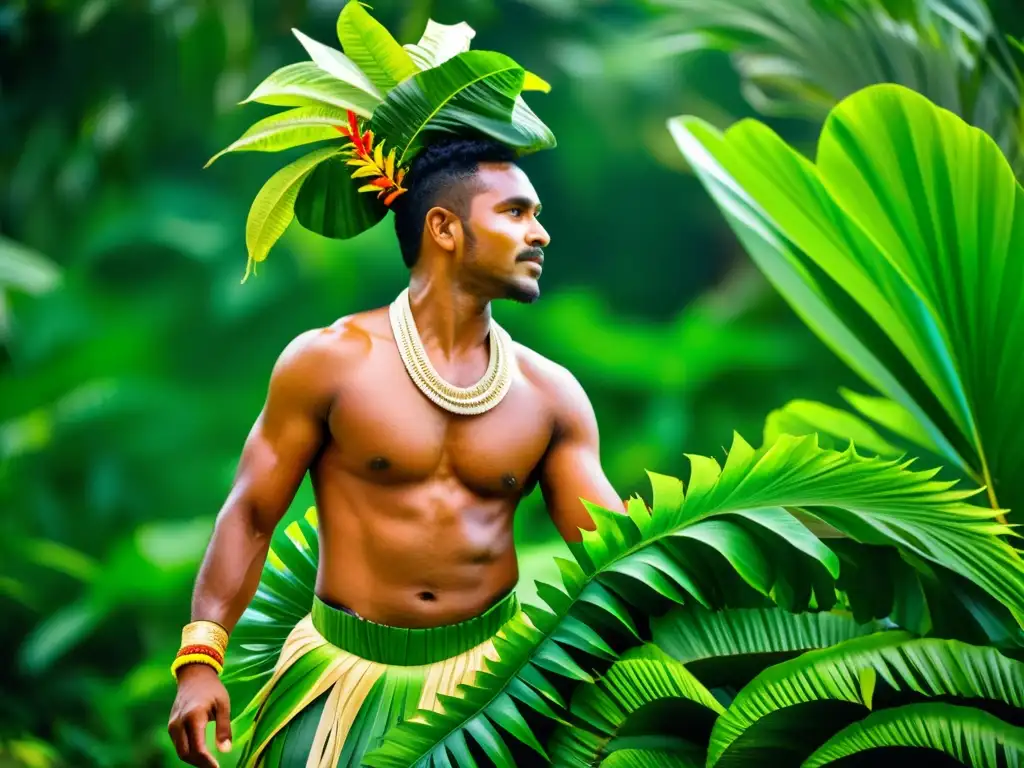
(472, 91)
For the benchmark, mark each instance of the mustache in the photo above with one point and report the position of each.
(531, 254)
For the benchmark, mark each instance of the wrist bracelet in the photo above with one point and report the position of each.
(194, 658)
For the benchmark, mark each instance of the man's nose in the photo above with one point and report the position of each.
(538, 237)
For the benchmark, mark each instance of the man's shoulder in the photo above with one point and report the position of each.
(554, 380)
(335, 347)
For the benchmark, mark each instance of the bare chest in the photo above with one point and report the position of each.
(385, 430)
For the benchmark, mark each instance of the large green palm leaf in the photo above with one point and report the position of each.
(768, 719)
(972, 736)
(735, 513)
(903, 248)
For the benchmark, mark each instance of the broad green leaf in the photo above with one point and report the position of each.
(903, 257)
(338, 65)
(927, 667)
(475, 90)
(330, 204)
(303, 125)
(820, 302)
(971, 736)
(306, 85)
(274, 207)
(371, 47)
(439, 42)
(893, 417)
(835, 426)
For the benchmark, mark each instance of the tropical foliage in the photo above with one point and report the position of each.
(710, 628)
(800, 58)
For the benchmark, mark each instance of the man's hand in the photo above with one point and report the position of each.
(201, 698)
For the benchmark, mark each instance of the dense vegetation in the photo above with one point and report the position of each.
(134, 362)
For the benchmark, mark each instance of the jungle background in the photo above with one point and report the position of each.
(133, 362)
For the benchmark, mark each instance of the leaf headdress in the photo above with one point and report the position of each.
(377, 105)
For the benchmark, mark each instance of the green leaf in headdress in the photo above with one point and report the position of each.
(368, 43)
(475, 90)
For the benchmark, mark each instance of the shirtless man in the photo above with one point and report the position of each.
(415, 503)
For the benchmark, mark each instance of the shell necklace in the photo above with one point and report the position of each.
(478, 398)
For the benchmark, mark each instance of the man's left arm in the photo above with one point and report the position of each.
(571, 469)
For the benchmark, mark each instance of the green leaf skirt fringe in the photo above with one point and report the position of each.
(339, 682)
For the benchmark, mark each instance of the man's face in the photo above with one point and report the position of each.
(504, 239)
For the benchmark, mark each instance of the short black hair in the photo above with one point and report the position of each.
(441, 174)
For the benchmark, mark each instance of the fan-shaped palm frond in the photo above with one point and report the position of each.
(889, 252)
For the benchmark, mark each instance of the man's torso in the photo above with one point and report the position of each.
(416, 504)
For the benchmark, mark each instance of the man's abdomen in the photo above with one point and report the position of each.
(414, 555)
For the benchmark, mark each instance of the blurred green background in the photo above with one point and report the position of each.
(132, 361)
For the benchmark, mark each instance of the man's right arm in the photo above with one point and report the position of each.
(284, 440)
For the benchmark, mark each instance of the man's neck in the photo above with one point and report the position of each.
(449, 319)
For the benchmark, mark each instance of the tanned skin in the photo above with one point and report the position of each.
(415, 504)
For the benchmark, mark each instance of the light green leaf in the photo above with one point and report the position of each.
(803, 417)
(285, 130)
(272, 210)
(475, 90)
(338, 65)
(306, 85)
(971, 736)
(371, 47)
(893, 417)
(439, 42)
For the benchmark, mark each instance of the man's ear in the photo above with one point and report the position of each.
(444, 228)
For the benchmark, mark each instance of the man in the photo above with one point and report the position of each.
(422, 425)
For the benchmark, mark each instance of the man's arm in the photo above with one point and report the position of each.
(282, 443)
(285, 438)
(571, 468)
